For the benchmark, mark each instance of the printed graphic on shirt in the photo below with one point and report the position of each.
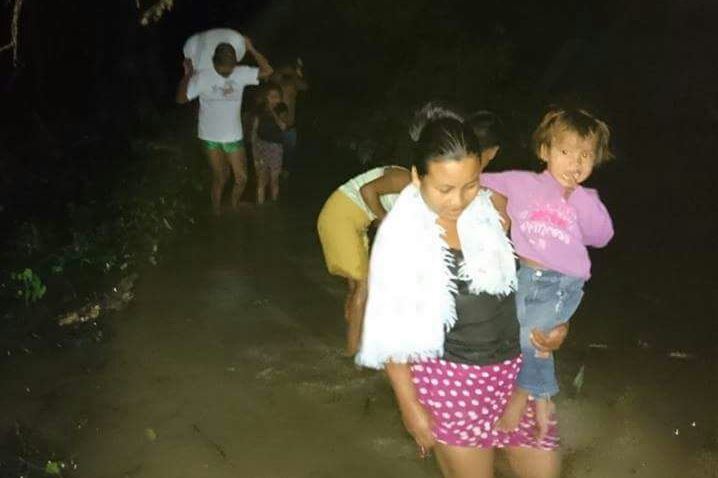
(225, 90)
(544, 222)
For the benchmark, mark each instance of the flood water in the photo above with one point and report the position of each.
(228, 363)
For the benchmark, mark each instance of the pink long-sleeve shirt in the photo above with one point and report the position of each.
(546, 227)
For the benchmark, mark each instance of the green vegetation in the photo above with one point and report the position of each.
(66, 258)
(29, 286)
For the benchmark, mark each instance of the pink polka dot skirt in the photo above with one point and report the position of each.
(467, 400)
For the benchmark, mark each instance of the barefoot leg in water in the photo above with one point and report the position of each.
(238, 162)
(219, 178)
(354, 314)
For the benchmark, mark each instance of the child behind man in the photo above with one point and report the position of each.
(267, 141)
(553, 220)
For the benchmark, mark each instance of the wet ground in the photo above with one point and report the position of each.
(229, 363)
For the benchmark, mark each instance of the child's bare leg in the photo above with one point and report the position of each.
(544, 409)
(274, 184)
(511, 417)
(261, 183)
(355, 315)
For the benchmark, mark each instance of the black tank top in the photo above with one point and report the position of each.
(486, 329)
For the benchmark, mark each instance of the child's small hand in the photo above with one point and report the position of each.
(280, 121)
(570, 182)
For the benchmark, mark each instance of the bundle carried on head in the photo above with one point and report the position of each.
(201, 46)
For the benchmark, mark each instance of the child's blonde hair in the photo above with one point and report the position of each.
(577, 121)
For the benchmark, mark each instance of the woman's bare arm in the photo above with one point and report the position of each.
(265, 69)
(416, 418)
(393, 181)
(500, 203)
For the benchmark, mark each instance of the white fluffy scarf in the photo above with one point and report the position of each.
(411, 285)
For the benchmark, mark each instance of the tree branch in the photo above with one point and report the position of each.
(155, 12)
(14, 29)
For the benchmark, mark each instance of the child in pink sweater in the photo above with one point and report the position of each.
(553, 221)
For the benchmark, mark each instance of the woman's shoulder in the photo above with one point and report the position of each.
(408, 213)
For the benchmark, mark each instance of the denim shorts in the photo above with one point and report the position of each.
(544, 299)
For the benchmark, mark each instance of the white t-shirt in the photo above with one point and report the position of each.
(352, 189)
(220, 102)
(200, 47)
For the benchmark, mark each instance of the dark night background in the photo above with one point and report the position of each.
(91, 79)
(84, 184)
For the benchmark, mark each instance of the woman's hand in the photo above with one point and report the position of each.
(416, 418)
(418, 423)
(551, 341)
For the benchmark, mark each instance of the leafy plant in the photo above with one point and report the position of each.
(30, 286)
(54, 468)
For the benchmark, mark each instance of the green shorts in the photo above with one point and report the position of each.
(231, 147)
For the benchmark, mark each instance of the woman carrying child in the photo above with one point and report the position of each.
(553, 221)
(441, 316)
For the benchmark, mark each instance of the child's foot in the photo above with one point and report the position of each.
(544, 410)
(511, 417)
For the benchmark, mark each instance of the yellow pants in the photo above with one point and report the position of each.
(342, 227)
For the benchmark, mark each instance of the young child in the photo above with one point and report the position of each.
(290, 77)
(282, 112)
(267, 139)
(553, 220)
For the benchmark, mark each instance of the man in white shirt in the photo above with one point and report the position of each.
(220, 92)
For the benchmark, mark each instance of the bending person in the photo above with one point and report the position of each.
(342, 225)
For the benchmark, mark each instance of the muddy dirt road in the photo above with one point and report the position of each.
(228, 364)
